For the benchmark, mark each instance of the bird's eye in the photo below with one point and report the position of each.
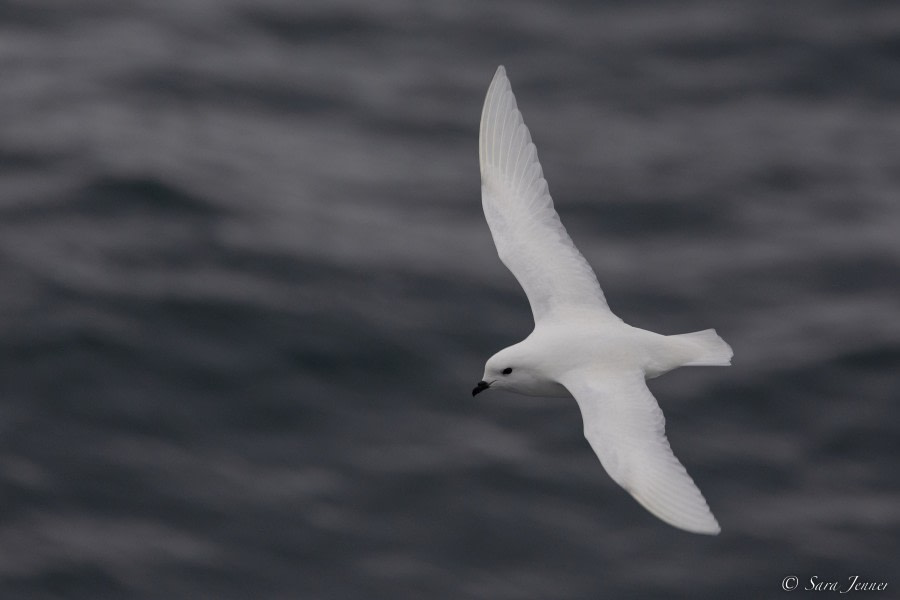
(507, 370)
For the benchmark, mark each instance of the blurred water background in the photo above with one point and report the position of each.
(246, 288)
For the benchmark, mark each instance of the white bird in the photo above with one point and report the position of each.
(579, 347)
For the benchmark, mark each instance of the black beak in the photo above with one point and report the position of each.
(482, 385)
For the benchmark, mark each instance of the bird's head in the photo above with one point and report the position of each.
(506, 370)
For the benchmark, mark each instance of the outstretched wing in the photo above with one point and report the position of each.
(626, 428)
(529, 236)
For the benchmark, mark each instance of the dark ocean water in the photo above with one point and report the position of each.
(246, 287)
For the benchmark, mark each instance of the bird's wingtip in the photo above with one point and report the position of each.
(713, 529)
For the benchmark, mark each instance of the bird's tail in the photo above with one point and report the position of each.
(710, 349)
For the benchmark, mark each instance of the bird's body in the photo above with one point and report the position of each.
(555, 348)
(578, 346)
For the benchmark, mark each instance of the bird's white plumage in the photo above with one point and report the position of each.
(626, 428)
(529, 236)
(578, 345)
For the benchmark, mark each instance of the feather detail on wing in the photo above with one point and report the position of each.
(626, 428)
(529, 236)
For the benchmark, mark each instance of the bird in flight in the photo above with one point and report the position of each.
(578, 347)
